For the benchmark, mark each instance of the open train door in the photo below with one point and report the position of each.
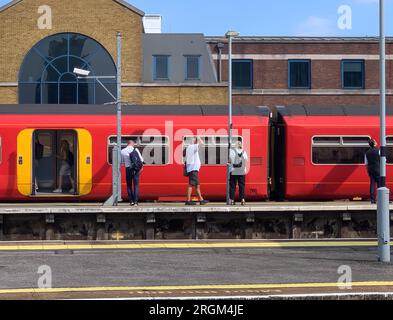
(54, 162)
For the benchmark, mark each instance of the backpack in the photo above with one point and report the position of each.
(136, 162)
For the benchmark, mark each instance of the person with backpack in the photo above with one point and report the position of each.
(133, 161)
(372, 161)
(238, 163)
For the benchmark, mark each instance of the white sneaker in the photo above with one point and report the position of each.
(72, 190)
(58, 191)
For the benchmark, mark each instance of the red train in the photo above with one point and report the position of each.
(295, 153)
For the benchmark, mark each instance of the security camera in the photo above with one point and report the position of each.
(81, 72)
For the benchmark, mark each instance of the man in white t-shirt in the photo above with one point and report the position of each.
(193, 162)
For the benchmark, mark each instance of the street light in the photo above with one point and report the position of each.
(229, 35)
(383, 215)
(116, 154)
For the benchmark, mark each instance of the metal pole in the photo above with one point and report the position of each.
(119, 199)
(383, 215)
(229, 115)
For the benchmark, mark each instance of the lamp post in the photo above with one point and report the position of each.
(229, 35)
(116, 154)
(383, 215)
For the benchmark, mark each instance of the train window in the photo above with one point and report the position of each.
(154, 149)
(326, 140)
(389, 150)
(215, 150)
(1, 151)
(356, 140)
(339, 149)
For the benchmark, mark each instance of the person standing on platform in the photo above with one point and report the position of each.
(193, 165)
(238, 163)
(372, 161)
(133, 161)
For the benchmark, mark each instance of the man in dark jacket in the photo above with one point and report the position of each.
(372, 161)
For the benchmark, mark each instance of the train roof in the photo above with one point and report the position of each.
(137, 110)
(310, 111)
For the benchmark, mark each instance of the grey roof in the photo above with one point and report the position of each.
(262, 39)
(121, 2)
(177, 45)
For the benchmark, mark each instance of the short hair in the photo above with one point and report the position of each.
(371, 142)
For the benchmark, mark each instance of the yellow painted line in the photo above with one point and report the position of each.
(168, 289)
(189, 245)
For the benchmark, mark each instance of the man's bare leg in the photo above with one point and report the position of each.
(189, 193)
(198, 190)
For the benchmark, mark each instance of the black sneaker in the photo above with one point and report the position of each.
(190, 203)
(203, 202)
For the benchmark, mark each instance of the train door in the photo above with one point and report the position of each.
(54, 162)
(54, 167)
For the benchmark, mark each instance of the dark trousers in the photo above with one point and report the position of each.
(132, 179)
(374, 179)
(241, 181)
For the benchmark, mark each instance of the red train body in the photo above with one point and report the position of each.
(296, 153)
(163, 181)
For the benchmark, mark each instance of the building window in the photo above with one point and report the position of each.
(347, 150)
(215, 148)
(161, 67)
(192, 68)
(299, 72)
(154, 149)
(353, 74)
(46, 75)
(242, 74)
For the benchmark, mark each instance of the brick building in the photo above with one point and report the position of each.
(41, 44)
(304, 71)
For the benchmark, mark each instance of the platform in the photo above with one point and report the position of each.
(174, 221)
(158, 208)
(191, 269)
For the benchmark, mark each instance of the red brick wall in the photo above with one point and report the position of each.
(325, 74)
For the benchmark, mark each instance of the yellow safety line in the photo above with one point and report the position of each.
(188, 245)
(198, 287)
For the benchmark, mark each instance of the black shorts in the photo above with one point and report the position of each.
(193, 178)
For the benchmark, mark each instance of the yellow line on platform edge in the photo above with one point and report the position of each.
(196, 287)
(190, 245)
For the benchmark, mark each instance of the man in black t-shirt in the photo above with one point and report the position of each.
(372, 161)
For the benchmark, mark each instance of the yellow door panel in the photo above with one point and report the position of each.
(24, 162)
(85, 162)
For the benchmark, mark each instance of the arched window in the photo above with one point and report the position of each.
(46, 75)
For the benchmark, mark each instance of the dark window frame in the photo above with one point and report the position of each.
(210, 141)
(251, 73)
(198, 56)
(363, 62)
(341, 144)
(155, 56)
(139, 138)
(308, 61)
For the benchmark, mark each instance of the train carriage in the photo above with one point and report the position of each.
(31, 138)
(322, 151)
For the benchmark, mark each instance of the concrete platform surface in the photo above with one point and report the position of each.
(290, 207)
(214, 271)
